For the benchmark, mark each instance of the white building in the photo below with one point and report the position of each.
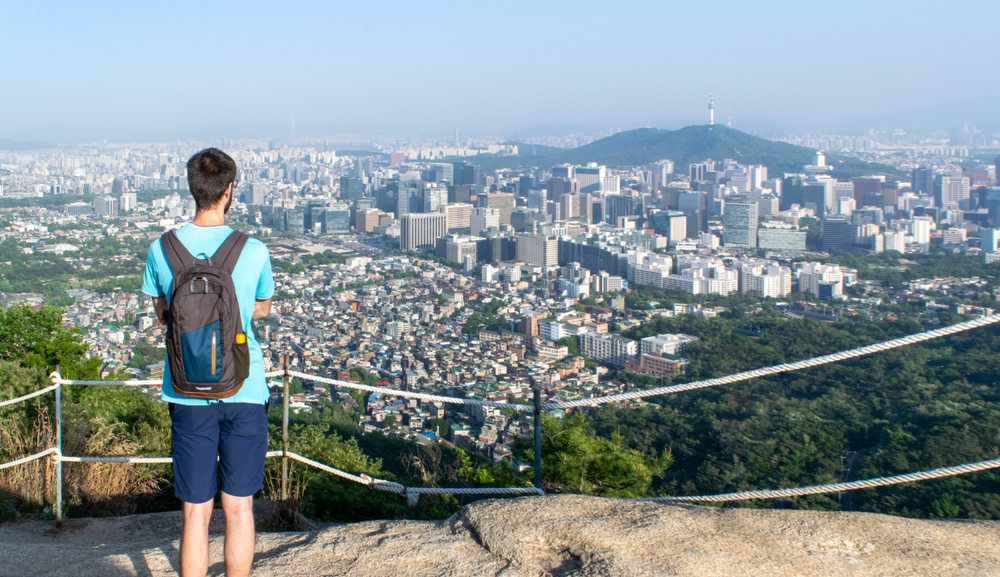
(488, 273)
(397, 329)
(820, 280)
(669, 344)
(483, 218)
(920, 229)
(766, 279)
(614, 349)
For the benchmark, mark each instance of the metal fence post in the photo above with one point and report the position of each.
(538, 437)
(284, 434)
(57, 507)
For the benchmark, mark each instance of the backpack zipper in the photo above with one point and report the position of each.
(213, 352)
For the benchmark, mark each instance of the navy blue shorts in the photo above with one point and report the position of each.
(227, 436)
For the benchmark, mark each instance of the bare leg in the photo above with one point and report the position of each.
(194, 539)
(239, 534)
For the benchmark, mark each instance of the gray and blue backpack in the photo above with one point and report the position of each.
(206, 345)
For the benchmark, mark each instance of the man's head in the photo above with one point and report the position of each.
(210, 172)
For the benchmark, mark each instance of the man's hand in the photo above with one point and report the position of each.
(160, 304)
(261, 308)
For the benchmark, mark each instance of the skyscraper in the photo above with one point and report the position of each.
(503, 202)
(739, 224)
(483, 218)
(837, 234)
(590, 177)
(420, 231)
(351, 188)
(923, 180)
(954, 189)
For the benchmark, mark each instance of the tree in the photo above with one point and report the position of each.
(389, 421)
(37, 339)
(574, 461)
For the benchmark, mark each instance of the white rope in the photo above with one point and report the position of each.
(837, 487)
(757, 373)
(370, 482)
(26, 397)
(147, 460)
(410, 394)
(136, 383)
(30, 458)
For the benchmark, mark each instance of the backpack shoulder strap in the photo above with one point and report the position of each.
(230, 251)
(178, 256)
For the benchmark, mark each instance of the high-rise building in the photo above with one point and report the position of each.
(455, 248)
(781, 238)
(614, 349)
(106, 206)
(366, 220)
(619, 206)
(670, 223)
(694, 205)
(563, 171)
(739, 224)
(483, 218)
(821, 280)
(127, 201)
(576, 205)
(990, 239)
(557, 187)
(863, 186)
(459, 215)
(920, 229)
(443, 173)
(837, 234)
(923, 180)
(538, 250)
(954, 189)
(351, 188)
(537, 199)
(421, 231)
(590, 177)
(766, 280)
(434, 195)
(255, 196)
(503, 202)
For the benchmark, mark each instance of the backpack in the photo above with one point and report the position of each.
(206, 344)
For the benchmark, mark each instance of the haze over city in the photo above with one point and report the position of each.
(80, 72)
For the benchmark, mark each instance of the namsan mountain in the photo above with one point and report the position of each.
(685, 146)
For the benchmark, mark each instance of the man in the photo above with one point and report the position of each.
(231, 433)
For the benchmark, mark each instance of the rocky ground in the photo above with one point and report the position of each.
(532, 536)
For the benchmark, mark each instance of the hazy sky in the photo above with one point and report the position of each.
(86, 70)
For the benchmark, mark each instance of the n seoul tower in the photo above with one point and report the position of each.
(711, 109)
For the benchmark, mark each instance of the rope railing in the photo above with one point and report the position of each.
(409, 492)
(29, 396)
(773, 370)
(835, 487)
(413, 493)
(409, 394)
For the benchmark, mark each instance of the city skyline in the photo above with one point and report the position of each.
(146, 73)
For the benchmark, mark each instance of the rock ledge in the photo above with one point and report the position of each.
(556, 535)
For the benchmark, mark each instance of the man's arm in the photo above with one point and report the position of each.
(261, 308)
(160, 304)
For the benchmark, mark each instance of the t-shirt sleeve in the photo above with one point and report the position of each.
(265, 283)
(150, 278)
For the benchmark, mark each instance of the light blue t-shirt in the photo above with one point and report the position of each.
(252, 279)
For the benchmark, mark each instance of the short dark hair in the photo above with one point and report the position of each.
(209, 174)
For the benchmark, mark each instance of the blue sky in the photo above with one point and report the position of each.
(143, 70)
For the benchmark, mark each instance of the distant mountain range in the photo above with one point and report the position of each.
(687, 145)
(18, 145)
